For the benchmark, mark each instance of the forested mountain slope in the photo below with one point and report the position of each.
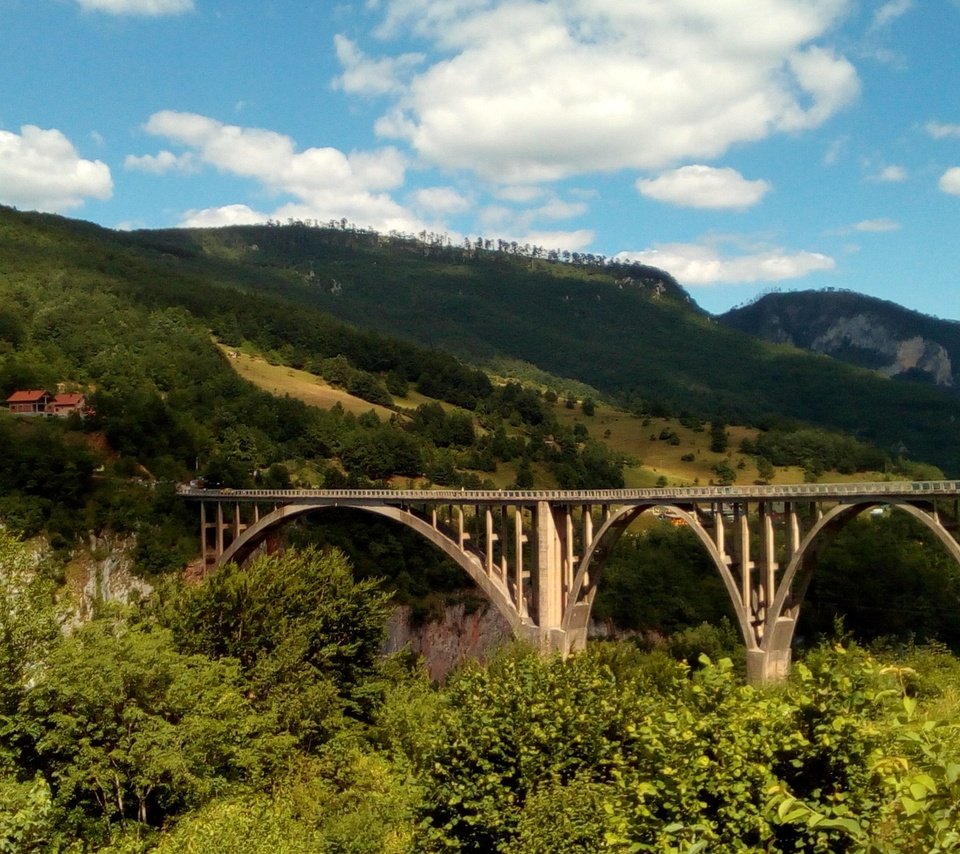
(859, 329)
(630, 332)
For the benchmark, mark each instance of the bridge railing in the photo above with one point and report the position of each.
(612, 496)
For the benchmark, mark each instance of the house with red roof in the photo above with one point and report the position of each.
(31, 402)
(67, 403)
(43, 402)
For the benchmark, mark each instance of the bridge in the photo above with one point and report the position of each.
(537, 554)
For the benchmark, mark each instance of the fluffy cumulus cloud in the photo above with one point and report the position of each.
(529, 92)
(697, 264)
(320, 183)
(152, 8)
(225, 215)
(950, 181)
(704, 187)
(41, 170)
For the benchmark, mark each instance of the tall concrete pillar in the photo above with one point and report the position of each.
(550, 559)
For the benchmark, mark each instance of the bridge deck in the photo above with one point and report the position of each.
(693, 494)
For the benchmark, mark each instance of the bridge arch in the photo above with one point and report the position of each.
(796, 579)
(580, 598)
(496, 592)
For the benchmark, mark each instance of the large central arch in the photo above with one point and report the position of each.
(492, 586)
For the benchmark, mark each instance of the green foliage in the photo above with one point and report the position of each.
(349, 801)
(305, 634)
(46, 474)
(29, 623)
(253, 824)
(815, 450)
(837, 761)
(506, 730)
(724, 473)
(885, 575)
(661, 581)
(27, 818)
(127, 727)
(719, 437)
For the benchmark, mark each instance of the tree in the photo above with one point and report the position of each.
(719, 437)
(725, 473)
(765, 470)
(306, 634)
(128, 728)
(524, 478)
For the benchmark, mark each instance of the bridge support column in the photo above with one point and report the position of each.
(771, 661)
(551, 555)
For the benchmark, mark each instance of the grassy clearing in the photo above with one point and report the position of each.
(653, 458)
(281, 380)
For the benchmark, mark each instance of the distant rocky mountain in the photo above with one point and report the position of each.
(862, 330)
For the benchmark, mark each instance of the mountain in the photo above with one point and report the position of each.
(307, 294)
(858, 329)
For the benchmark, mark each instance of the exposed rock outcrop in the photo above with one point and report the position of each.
(869, 333)
(855, 328)
(451, 640)
(103, 572)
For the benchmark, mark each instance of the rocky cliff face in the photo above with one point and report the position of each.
(870, 334)
(451, 640)
(103, 572)
(855, 328)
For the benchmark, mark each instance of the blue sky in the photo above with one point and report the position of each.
(742, 145)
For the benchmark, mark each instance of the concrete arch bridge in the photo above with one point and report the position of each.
(537, 555)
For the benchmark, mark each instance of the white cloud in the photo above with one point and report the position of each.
(324, 183)
(704, 187)
(950, 181)
(697, 264)
(890, 11)
(363, 75)
(939, 130)
(572, 241)
(161, 163)
(41, 170)
(877, 225)
(519, 193)
(529, 92)
(557, 208)
(835, 151)
(153, 8)
(226, 215)
(890, 175)
(829, 83)
(441, 200)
